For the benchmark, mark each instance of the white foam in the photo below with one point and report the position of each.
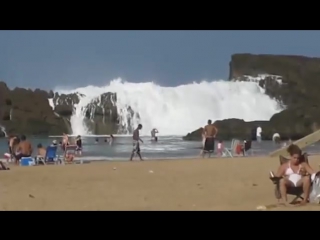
(50, 100)
(182, 109)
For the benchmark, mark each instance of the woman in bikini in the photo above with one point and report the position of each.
(293, 174)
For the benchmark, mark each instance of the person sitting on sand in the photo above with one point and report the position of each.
(69, 157)
(11, 142)
(220, 148)
(41, 151)
(3, 167)
(54, 143)
(24, 149)
(293, 174)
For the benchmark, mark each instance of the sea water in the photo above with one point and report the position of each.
(168, 147)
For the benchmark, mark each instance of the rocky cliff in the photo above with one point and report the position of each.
(292, 80)
(26, 111)
(100, 115)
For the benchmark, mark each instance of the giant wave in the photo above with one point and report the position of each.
(179, 110)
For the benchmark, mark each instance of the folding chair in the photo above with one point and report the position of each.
(295, 191)
(230, 151)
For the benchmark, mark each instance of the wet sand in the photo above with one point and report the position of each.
(196, 184)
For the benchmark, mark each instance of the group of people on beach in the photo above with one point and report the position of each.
(19, 147)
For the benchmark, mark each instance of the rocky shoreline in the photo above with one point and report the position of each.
(291, 80)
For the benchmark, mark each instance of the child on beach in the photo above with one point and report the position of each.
(220, 148)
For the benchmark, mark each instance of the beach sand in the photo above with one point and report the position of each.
(184, 184)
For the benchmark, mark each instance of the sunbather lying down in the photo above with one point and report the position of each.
(295, 174)
(3, 167)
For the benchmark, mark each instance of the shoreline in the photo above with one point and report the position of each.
(115, 159)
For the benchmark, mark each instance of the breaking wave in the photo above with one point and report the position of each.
(178, 110)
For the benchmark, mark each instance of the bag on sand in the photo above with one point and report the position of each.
(315, 191)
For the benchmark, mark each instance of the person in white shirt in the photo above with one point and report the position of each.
(258, 133)
(276, 138)
(153, 134)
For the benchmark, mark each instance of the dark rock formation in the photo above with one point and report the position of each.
(26, 111)
(102, 116)
(64, 103)
(292, 80)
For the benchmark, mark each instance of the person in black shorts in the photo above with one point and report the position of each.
(79, 145)
(210, 132)
(136, 144)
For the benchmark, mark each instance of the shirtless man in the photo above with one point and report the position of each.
(136, 144)
(153, 134)
(24, 149)
(65, 141)
(210, 132)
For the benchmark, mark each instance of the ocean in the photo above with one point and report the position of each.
(168, 147)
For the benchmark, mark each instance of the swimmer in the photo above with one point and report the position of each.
(79, 145)
(111, 139)
(153, 134)
(276, 138)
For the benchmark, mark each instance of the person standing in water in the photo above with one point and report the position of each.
(210, 132)
(65, 141)
(258, 134)
(111, 139)
(79, 145)
(153, 134)
(136, 144)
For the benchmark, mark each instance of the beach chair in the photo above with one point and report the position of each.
(51, 156)
(230, 151)
(294, 191)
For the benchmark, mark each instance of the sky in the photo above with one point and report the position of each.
(49, 59)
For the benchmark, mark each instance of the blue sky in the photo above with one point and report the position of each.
(46, 59)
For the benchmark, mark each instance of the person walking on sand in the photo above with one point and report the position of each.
(136, 144)
(210, 132)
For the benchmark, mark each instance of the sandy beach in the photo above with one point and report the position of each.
(184, 184)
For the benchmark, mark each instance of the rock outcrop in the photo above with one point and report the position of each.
(292, 80)
(64, 104)
(26, 111)
(100, 115)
